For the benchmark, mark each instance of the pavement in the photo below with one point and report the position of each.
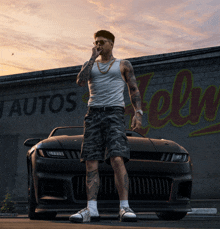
(199, 218)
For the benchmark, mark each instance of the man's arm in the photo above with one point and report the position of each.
(128, 73)
(85, 73)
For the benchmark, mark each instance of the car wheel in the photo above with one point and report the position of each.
(31, 198)
(171, 215)
(45, 215)
(32, 204)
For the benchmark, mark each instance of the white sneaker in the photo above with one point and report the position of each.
(127, 215)
(83, 216)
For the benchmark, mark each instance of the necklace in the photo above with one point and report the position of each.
(108, 68)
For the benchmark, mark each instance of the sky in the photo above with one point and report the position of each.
(37, 35)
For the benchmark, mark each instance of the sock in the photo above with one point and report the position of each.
(124, 203)
(92, 205)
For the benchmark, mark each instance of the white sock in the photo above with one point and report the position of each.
(124, 204)
(92, 206)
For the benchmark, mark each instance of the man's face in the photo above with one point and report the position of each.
(103, 43)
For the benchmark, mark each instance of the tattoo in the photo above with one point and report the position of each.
(85, 73)
(128, 73)
(92, 184)
(136, 99)
(126, 182)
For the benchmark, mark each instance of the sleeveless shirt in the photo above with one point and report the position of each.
(106, 90)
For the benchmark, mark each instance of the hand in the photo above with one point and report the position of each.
(96, 51)
(136, 122)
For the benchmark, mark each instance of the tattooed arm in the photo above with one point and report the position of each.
(84, 74)
(128, 73)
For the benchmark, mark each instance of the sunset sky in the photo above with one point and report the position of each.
(45, 34)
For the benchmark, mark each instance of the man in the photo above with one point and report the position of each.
(104, 123)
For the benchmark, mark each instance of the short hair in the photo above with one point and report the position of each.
(105, 34)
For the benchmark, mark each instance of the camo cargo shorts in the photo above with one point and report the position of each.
(104, 135)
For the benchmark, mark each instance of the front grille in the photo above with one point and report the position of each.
(140, 188)
(51, 187)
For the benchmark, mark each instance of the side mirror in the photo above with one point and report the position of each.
(32, 141)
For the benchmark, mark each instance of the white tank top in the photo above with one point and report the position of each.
(106, 90)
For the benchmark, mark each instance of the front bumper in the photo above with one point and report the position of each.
(154, 186)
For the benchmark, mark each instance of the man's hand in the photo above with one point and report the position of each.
(86, 69)
(136, 122)
(96, 51)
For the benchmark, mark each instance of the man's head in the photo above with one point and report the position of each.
(106, 34)
(104, 40)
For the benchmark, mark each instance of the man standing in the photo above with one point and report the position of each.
(104, 125)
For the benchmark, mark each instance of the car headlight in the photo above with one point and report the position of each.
(179, 157)
(56, 154)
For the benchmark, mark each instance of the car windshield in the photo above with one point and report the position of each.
(71, 131)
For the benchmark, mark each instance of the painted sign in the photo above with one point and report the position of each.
(39, 104)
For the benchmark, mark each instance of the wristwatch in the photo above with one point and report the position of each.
(139, 111)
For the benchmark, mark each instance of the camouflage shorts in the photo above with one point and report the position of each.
(104, 135)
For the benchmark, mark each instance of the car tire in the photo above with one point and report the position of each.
(45, 215)
(32, 204)
(171, 215)
(31, 198)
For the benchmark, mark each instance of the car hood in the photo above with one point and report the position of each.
(135, 143)
(162, 145)
(61, 142)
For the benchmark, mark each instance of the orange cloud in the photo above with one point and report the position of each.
(54, 33)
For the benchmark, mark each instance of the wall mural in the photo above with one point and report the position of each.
(167, 107)
(184, 105)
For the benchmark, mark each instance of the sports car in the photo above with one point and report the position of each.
(160, 176)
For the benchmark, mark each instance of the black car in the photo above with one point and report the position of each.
(160, 176)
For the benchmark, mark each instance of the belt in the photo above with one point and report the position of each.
(101, 109)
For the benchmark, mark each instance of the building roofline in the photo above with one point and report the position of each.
(70, 72)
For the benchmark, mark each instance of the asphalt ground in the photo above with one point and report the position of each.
(146, 220)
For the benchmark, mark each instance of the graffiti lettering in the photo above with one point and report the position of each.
(208, 102)
(180, 97)
(30, 106)
(166, 107)
(155, 112)
(172, 103)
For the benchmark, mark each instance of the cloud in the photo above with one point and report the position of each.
(212, 22)
(211, 41)
(37, 41)
(25, 6)
(43, 53)
(53, 33)
(21, 67)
